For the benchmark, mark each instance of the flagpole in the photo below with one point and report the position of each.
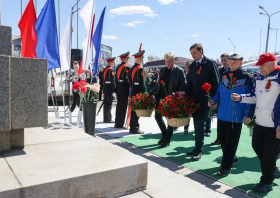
(69, 114)
(63, 100)
(0, 12)
(21, 7)
(77, 25)
(36, 7)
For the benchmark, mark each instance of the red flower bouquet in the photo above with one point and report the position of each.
(177, 110)
(143, 104)
(87, 92)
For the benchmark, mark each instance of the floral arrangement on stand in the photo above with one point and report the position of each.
(251, 125)
(177, 110)
(143, 104)
(87, 92)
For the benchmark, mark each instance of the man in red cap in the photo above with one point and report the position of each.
(266, 134)
(122, 89)
(137, 86)
(109, 86)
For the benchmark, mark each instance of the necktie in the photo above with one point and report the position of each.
(197, 64)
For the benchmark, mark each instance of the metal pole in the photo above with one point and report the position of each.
(77, 25)
(260, 42)
(21, 7)
(69, 83)
(276, 40)
(58, 4)
(0, 12)
(36, 7)
(232, 44)
(267, 38)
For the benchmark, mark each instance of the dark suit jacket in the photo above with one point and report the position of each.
(206, 72)
(177, 82)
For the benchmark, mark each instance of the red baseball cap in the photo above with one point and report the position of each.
(264, 58)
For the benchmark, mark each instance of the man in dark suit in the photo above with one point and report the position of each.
(100, 75)
(174, 80)
(122, 90)
(202, 70)
(225, 68)
(137, 86)
(109, 86)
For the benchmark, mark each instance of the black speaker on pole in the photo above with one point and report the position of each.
(76, 55)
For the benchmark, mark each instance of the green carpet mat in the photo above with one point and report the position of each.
(244, 174)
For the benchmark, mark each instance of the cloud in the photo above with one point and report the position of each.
(109, 37)
(165, 38)
(130, 10)
(111, 15)
(128, 24)
(194, 35)
(132, 24)
(166, 2)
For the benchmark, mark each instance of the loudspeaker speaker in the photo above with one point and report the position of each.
(76, 55)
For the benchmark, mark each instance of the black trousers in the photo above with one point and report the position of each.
(265, 144)
(134, 124)
(101, 91)
(208, 125)
(122, 101)
(76, 100)
(107, 115)
(167, 133)
(230, 135)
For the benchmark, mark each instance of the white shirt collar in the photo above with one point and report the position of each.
(200, 59)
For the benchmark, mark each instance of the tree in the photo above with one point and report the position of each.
(153, 58)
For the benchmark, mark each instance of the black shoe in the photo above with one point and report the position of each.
(262, 188)
(208, 134)
(235, 159)
(224, 172)
(161, 140)
(186, 132)
(191, 153)
(118, 127)
(136, 132)
(164, 144)
(197, 156)
(217, 142)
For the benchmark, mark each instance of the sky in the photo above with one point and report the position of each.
(170, 25)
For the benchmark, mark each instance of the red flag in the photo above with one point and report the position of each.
(28, 33)
(81, 67)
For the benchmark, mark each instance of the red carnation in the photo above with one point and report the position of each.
(206, 87)
(224, 77)
(171, 110)
(75, 86)
(83, 81)
(83, 89)
(162, 82)
(231, 74)
(176, 111)
(171, 116)
(165, 113)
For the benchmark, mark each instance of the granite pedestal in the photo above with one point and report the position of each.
(62, 161)
(23, 94)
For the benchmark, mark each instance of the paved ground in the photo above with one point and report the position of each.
(166, 179)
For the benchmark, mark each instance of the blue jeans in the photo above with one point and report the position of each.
(165, 132)
(199, 133)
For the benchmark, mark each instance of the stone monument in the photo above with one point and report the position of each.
(23, 94)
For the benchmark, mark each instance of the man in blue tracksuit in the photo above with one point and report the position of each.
(231, 114)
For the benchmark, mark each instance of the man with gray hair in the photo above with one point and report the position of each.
(174, 80)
